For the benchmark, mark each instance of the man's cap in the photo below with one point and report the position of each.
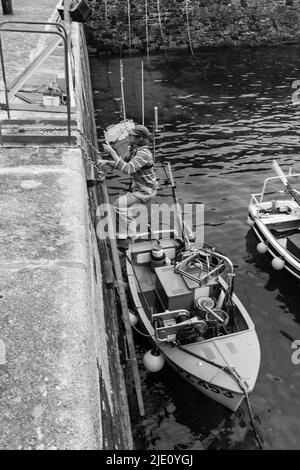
(140, 131)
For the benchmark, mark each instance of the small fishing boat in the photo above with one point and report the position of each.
(275, 218)
(184, 298)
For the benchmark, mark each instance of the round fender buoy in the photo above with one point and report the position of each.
(153, 361)
(262, 247)
(250, 221)
(278, 263)
(133, 318)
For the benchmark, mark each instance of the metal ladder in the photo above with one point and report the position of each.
(12, 89)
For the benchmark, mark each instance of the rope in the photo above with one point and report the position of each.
(160, 27)
(147, 34)
(142, 334)
(105, 5)
(122, 90)
(143, 93)
(188, 26)
(235, 375)
(129, 25)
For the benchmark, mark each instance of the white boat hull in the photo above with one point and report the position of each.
(228, 398)
(274, 246)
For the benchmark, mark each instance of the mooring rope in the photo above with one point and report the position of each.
(122, 90)
(161, 28)
(147, 33)
(105, 6)
(235, 375)
(129, 25)
(188, 26)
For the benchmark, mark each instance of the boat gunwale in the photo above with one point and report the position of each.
(287, 255)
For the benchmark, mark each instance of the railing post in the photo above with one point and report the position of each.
(7, 7)
(67, 20)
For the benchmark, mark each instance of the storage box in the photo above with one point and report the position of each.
(79, 10)
(172, 289)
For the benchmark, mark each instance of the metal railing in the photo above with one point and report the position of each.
(13, 87)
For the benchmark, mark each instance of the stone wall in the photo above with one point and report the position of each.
(210, 22)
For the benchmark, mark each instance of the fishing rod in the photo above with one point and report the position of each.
(143, 95)
(122, 90)
(177, 206)
(284, 179)
(170, 179)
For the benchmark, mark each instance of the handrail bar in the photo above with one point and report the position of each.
(290, 175)
(59, 25)
(64, 38)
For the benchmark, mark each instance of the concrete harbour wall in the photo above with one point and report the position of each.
(57, 387)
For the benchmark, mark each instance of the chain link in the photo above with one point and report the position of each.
(100, 174)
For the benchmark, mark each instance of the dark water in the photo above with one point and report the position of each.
(226, 115)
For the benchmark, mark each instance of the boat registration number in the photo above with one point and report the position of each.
(206, 385)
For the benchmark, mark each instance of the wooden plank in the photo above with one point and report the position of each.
(23, 98)
(18, 82)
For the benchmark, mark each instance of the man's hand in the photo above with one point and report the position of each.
(108, 148)
(101, 162)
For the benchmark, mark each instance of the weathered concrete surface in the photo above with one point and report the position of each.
(56, 385)
(49, 385)
(48, 390)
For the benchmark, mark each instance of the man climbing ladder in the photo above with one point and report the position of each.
(139, 164)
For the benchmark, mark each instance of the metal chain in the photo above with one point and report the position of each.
(99, 173)
(86, 155)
